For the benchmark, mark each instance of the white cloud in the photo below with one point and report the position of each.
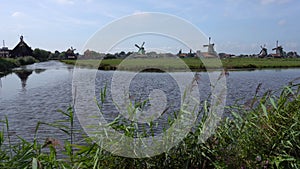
(17, 14)
(109, 14)
(294, 46)
(76, 21)
(281, 22)
(267, 2)
(64, 2)
(136, 12)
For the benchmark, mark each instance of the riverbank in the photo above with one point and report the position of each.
(7, 64)
(194, 64)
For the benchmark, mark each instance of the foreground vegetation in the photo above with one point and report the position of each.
(262, 134)
(6, 64)
(194, 64)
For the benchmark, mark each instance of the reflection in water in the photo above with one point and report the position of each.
(23, 75)
(50, 90)
(38, 71)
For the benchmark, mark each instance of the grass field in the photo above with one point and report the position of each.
(194, 64)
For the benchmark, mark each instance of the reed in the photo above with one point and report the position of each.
(265, 134)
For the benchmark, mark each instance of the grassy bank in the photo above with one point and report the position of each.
(193, 63)
(262, 136)
(7, 64)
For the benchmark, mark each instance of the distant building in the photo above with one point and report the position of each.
(4, 51)
(211, 53)
(225, 55)
(70, 53)
(263, 53)
(279, 51)
(21, 49)
(181, 55)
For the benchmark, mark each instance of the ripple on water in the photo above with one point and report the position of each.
(49, 90)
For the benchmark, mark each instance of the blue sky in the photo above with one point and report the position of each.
(236, 26)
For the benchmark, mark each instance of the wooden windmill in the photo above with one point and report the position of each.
(279, 51)
(264, 51)
(141, 48)
(210, 46)
(211, 53)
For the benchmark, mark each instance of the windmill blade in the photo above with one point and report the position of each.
(137, 46)
(143, 44)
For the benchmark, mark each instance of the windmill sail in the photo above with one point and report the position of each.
(141, 48)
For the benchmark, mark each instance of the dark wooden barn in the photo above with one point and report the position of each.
(22, 49)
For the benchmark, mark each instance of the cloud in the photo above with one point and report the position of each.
(294, 46)
(109, 14)
(267, 2)
(65, 2)
(76, 21)
(281, 22)
(17, 14)
(136, 12)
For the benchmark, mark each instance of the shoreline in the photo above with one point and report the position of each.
(194, 64)
(8, 64)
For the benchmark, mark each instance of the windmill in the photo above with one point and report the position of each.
(72, 49)
(211, 53)
(141, 48)
(279, 50)
(210, 47)
(70, 53)
(264, 52)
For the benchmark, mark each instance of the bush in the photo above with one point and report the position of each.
(8, 64)
(26, 60)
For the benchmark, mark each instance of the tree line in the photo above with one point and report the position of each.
(43, 55)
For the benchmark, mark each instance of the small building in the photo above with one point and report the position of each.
(279, 51)
(70, 53)
(21, 49)
(4, 51)
(263, 52)
(211, 53)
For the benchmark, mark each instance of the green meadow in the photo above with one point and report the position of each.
(194, 64)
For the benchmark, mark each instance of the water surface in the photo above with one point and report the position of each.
(41, 89)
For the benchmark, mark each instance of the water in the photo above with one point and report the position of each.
(34, 93)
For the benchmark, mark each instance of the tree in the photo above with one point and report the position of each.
(40, 54)
(62, 55)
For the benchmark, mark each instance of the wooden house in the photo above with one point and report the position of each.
(21, 49)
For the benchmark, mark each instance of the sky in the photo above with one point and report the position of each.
(236, 26)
